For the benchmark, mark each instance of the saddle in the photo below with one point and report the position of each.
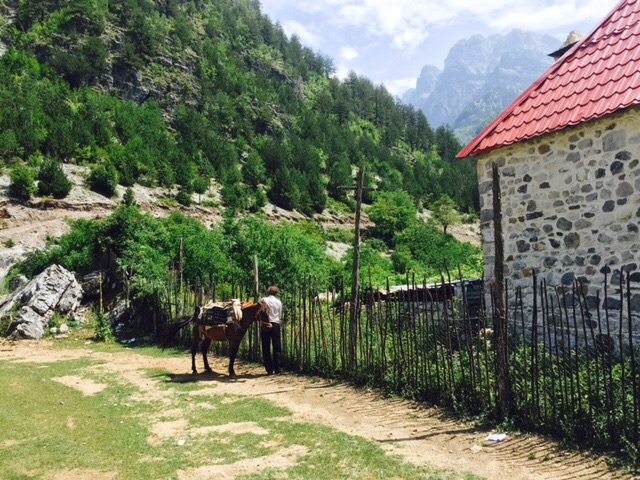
(220, 313)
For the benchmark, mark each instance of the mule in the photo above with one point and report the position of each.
(233, 333)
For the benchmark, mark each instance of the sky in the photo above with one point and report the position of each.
(389, 41)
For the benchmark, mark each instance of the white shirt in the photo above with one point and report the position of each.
(274, 308)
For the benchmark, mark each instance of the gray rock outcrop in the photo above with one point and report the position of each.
(91, 283)
(54, 290)
(481, 76)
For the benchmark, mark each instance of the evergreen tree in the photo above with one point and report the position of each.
(129, 199)
(200, 185)
(103, 179)
(183, 197)
(339, 176)
(52, 179)
(253, 171)
(284, 192)
(22, 186)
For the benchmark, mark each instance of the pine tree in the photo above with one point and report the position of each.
(52, 180)
(22, 186)
(129, 198)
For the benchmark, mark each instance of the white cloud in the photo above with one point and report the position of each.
(343, 71)
(306, 33)
(398, 86)
(348, 53)
(552, 16)
(407, 22)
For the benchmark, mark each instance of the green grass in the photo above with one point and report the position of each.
(48, 427)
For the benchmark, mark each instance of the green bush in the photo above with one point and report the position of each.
(52, 180)
(259, 200)
(5, 324)
(103, 179)
(9, 144)
(22, 182)
(432, 251)
(200, 185)
(391, 212)
(102, 332)
(340, 235)
(183, 197)
(129, 198)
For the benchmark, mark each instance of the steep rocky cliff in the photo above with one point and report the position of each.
(481, 76)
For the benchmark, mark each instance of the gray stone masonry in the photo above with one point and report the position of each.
(571, 210)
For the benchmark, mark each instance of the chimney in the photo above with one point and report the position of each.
(573, 38)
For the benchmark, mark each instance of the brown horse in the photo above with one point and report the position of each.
(232, 333)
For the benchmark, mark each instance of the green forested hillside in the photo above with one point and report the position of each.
(171, 92)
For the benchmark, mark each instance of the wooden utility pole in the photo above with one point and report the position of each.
(503, 380)
(354, 308)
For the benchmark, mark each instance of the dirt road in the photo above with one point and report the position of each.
(422, 436)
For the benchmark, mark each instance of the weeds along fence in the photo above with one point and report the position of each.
(572, 367)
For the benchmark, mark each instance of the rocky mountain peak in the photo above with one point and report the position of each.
(481, 76)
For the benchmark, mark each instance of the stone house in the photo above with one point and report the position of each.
(567, 152)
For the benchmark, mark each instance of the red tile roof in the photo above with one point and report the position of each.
(597, 76)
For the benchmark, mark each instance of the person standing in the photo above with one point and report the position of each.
(270, 332)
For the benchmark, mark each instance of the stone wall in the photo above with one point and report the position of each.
(571, 208)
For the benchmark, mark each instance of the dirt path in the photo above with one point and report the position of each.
(422, 436)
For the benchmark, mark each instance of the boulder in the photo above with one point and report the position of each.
(91, 283)
(54, 290)
(119, 313)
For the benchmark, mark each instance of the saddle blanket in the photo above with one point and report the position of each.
(220, 313)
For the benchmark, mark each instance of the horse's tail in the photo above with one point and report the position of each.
(179, 326)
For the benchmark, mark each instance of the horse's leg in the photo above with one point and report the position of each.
(205, 348)
(194, 348)
(234, 345)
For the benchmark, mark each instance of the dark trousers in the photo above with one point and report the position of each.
(271, 336)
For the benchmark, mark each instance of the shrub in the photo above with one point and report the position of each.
(391, 212)
(102, 331)
(401, 259)
(430, 249)
(52, 180)
(103, 179)
(337, 234)
(22, 182)
(259, 199)
(184, 196)
(9, 144)
(129, 198)
(377, 244)
(5, 324)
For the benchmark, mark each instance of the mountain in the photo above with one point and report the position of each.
(481, 76)
(182, 95)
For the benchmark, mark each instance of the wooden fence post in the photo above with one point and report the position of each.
(503, 379)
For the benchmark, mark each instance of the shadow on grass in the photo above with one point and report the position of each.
(209, 377)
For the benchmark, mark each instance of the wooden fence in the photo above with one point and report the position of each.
(573, 370)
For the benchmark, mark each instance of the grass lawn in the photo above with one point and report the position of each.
(50, 430)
